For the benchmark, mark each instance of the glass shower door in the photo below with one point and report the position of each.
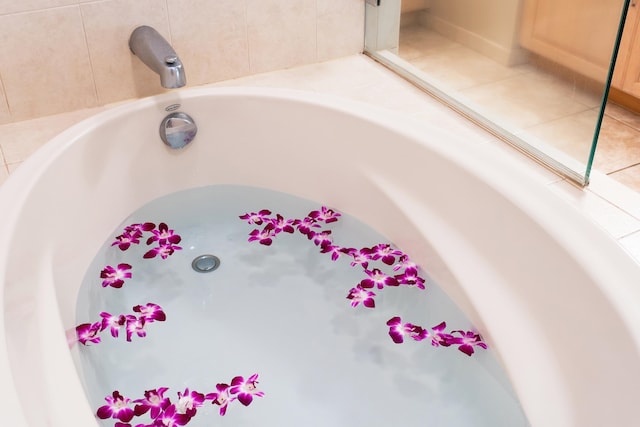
(534, 72)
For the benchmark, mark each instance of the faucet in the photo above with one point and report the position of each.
(152, 49)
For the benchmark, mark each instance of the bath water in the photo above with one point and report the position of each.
(281, 311)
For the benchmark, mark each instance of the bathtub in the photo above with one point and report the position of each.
(551, 293)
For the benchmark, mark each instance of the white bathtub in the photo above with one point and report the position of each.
(556, 298)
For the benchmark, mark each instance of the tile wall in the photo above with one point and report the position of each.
(65, 55)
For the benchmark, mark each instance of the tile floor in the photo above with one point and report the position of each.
(544, 107)
(610, 205)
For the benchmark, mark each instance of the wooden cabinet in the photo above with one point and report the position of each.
(626, 76)
(577, 34)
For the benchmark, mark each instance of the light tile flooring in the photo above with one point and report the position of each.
(612, 206)
(543, 106)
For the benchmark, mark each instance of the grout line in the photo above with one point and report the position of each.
(623, 168)
(246, 35)
(89, 56)
(167, 17)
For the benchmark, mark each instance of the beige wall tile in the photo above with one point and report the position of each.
(14, 6)
(108, 25)
(281, 33)
(211, 38)
(49, 71)
(340, 28)
(5, 117)
(4, 173)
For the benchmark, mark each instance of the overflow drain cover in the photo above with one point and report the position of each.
(205, 263)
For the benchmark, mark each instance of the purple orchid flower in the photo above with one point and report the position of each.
(360, 256)
(279, 224)
(115, 276)
(151, 312)
(88, 332)
(378, 278)
(398, 330)
(359, 295)
(410, 277)
(325, 214)
(163, 235)
(117, 407)
(405, 263)
(114, 323)
(440, 338)
(164, 250)
(135, 325)
(466, 341)
(256, 218)
(221, 397)
(189, 401)
(138, 230)
(305, 225)
(321, 239)
(262, 236)
(169, 418)
(385, 253)
(154, 401)
(132, 234)
(245, 390)
(335, 251)
(124, 241)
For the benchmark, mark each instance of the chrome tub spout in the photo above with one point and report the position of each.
(152, 49)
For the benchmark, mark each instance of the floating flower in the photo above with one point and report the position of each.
(305, 225)
(335, 251)
(359, 295)
(135, 325)
(188, 402)
(124, 241)
(153, 401)
(321, 239)
(114, 323)
(360, 256)
(138, 230)
(245, 390)
(398, 330)
(385, 253)
(262, 236)
(164, 250)
(132, 234)
(405, 263)
(221, 397)
(151, 312)
(325, 214)
(117, 407)
(163, 235)
(168, 418)
(279, 224)
(410, 277)
(115, 276)
(466, 341)
(378, 278)
(440, 338)
(88, 332)
(256, 218)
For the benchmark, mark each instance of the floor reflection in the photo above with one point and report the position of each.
(541, 105)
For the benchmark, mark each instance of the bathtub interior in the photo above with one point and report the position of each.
(479, 226)
(281, 310)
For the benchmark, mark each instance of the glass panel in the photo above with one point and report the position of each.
(534, 72)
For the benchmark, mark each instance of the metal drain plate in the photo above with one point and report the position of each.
(205, 263)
